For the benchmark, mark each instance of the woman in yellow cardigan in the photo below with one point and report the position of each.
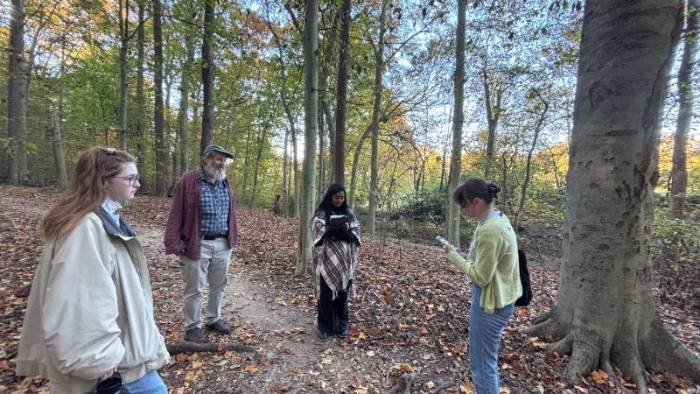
(492, 267)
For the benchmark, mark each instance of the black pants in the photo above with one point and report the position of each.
(332, 314)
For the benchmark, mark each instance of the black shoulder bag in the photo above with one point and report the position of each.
(524, 299)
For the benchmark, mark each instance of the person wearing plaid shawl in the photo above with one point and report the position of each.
(336, 236)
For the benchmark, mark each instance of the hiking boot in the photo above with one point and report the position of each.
(322, 335)
(195, 335)
(219, 326)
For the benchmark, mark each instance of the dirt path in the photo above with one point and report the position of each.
(283, 334)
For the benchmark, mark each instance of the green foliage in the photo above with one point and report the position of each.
(428, 205)
(674, 242)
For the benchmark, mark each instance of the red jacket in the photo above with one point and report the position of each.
(182, 233)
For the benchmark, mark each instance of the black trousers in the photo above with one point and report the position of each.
(332, 314)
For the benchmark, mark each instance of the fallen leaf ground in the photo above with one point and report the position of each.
(410, 315)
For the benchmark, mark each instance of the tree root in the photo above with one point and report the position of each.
(563, 346)
(660, 350)
(606, 365)
(585, 356)
(547, 326)
(625, 354)
(543, 317)
(634, 349)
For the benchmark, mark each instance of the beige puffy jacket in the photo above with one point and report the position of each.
(90, 310)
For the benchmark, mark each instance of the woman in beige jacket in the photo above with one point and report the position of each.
(90, 310)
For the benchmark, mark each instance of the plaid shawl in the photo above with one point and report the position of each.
(334, 260)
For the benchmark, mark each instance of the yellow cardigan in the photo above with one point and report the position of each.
(495, 265)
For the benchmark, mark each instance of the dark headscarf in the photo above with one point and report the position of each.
(327, 202)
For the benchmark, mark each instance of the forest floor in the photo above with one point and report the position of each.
(409, 316)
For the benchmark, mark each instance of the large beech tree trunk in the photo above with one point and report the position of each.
(605, 314)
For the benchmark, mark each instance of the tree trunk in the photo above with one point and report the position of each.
(453, 209)
(321, 150)
(285, 175)
(356, 164)
(246, 160)
(161, 157)
(297, 175)
(207, 75)
(16, 96)
(330, 124)
(605, 314)
(58, 156)
(261, 144)
(493, 112)
(686, 97)
(444, 152)
(172, 168)
(328, 46)
(182, 130)
(140, 98)
(310, 41)
(341, 94)
(528, 165)
(374, 166)
(123, 70)
(504, 183)
(555, 170)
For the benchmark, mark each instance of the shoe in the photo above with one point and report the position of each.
(344, 329)
(195, 335)
(219, 326)
(322, 335)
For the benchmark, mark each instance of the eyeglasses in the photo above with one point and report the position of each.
(132, 179)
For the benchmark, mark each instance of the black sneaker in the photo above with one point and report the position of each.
(195, 335)
(322, 335)
(219, 326)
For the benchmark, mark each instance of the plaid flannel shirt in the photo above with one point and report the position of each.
(215, 204)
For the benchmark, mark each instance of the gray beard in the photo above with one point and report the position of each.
(212, 172)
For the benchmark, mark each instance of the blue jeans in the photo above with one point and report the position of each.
(485, 330)
(150, 383)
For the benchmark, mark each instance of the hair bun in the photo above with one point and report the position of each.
(493, 189)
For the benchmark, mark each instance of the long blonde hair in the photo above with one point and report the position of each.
(87, 191)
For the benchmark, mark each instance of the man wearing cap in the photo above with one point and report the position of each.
(202, 230)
